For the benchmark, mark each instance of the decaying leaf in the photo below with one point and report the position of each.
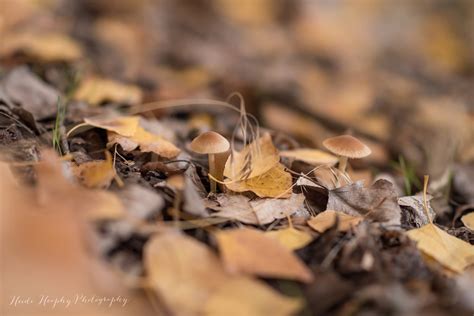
(290, 237)
(378, 202)
(243, 296)
(233, 206)
(183, 271)
(258, 211)
(311, 156)
(96, 91)
(413, 211)
(96, 174)
(48, 47)
(267, 210)
(249, 251)
(124, 125)
(147, 142)
(255, 159)
(30, 92)
(275, 183)
(468, 220)
(328, 218)
(128, 132)
(448, 250)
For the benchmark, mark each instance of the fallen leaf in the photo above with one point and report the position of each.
(249, 251)
(96, 174)
(450, 251)
(290, 237)
(268, 210)
(233, 206)
(413, 211)
(258, 211)
(48, 47)
(96, 91)
(327, 219)
(124, 125)
(148, 142)
(128, 132)
(468, 220)
(275, 183)
(244, 296)
(311, 156)
(378, 202)
(255, 159)
(30, 92)
(183, 271)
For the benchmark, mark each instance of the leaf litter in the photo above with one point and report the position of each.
(288, 229)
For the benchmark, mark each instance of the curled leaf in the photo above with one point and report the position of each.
(311, 156)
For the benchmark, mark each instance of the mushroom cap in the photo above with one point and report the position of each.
(347, 146)
(210, 143)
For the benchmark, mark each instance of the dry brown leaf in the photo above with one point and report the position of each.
(327, 219)
(268, 210)
(49, 47)
(468, 220)
(257, 212)
(148, 142)
(255, 159)
(96, 174)
(291, 238)
(249, 251)
(275, 183)
(98, 90)
(378, 202)
(183, 271)
(448, 250)
(243, 296)
(124, 126)
(311, 156)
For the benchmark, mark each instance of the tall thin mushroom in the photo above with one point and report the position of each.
(211, 143)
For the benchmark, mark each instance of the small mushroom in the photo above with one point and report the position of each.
(346, 146)
(211, 143)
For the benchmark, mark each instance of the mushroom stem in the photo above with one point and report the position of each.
(342, 163)
(212, 172)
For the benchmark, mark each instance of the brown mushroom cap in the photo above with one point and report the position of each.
(209, 143)
(347, 146)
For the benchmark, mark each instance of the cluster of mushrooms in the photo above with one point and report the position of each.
(217, 147)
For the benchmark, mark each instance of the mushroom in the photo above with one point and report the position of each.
(211, 143)
(346, 146)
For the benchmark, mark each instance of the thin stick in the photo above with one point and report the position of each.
(425, 200)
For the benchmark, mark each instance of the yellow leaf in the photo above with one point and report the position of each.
(98, 90)
(96, 174)
(128, 132)
(183, 272)
(50, 47)
(275, 183)
(291, 238)
(249, 251)
(448, 250)
(326, 219)
(147, 142)
(243, 296)
(468, 220)
(124, 126)
(311, 156)
(255, 159)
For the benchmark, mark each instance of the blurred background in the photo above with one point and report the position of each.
(399, 74)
